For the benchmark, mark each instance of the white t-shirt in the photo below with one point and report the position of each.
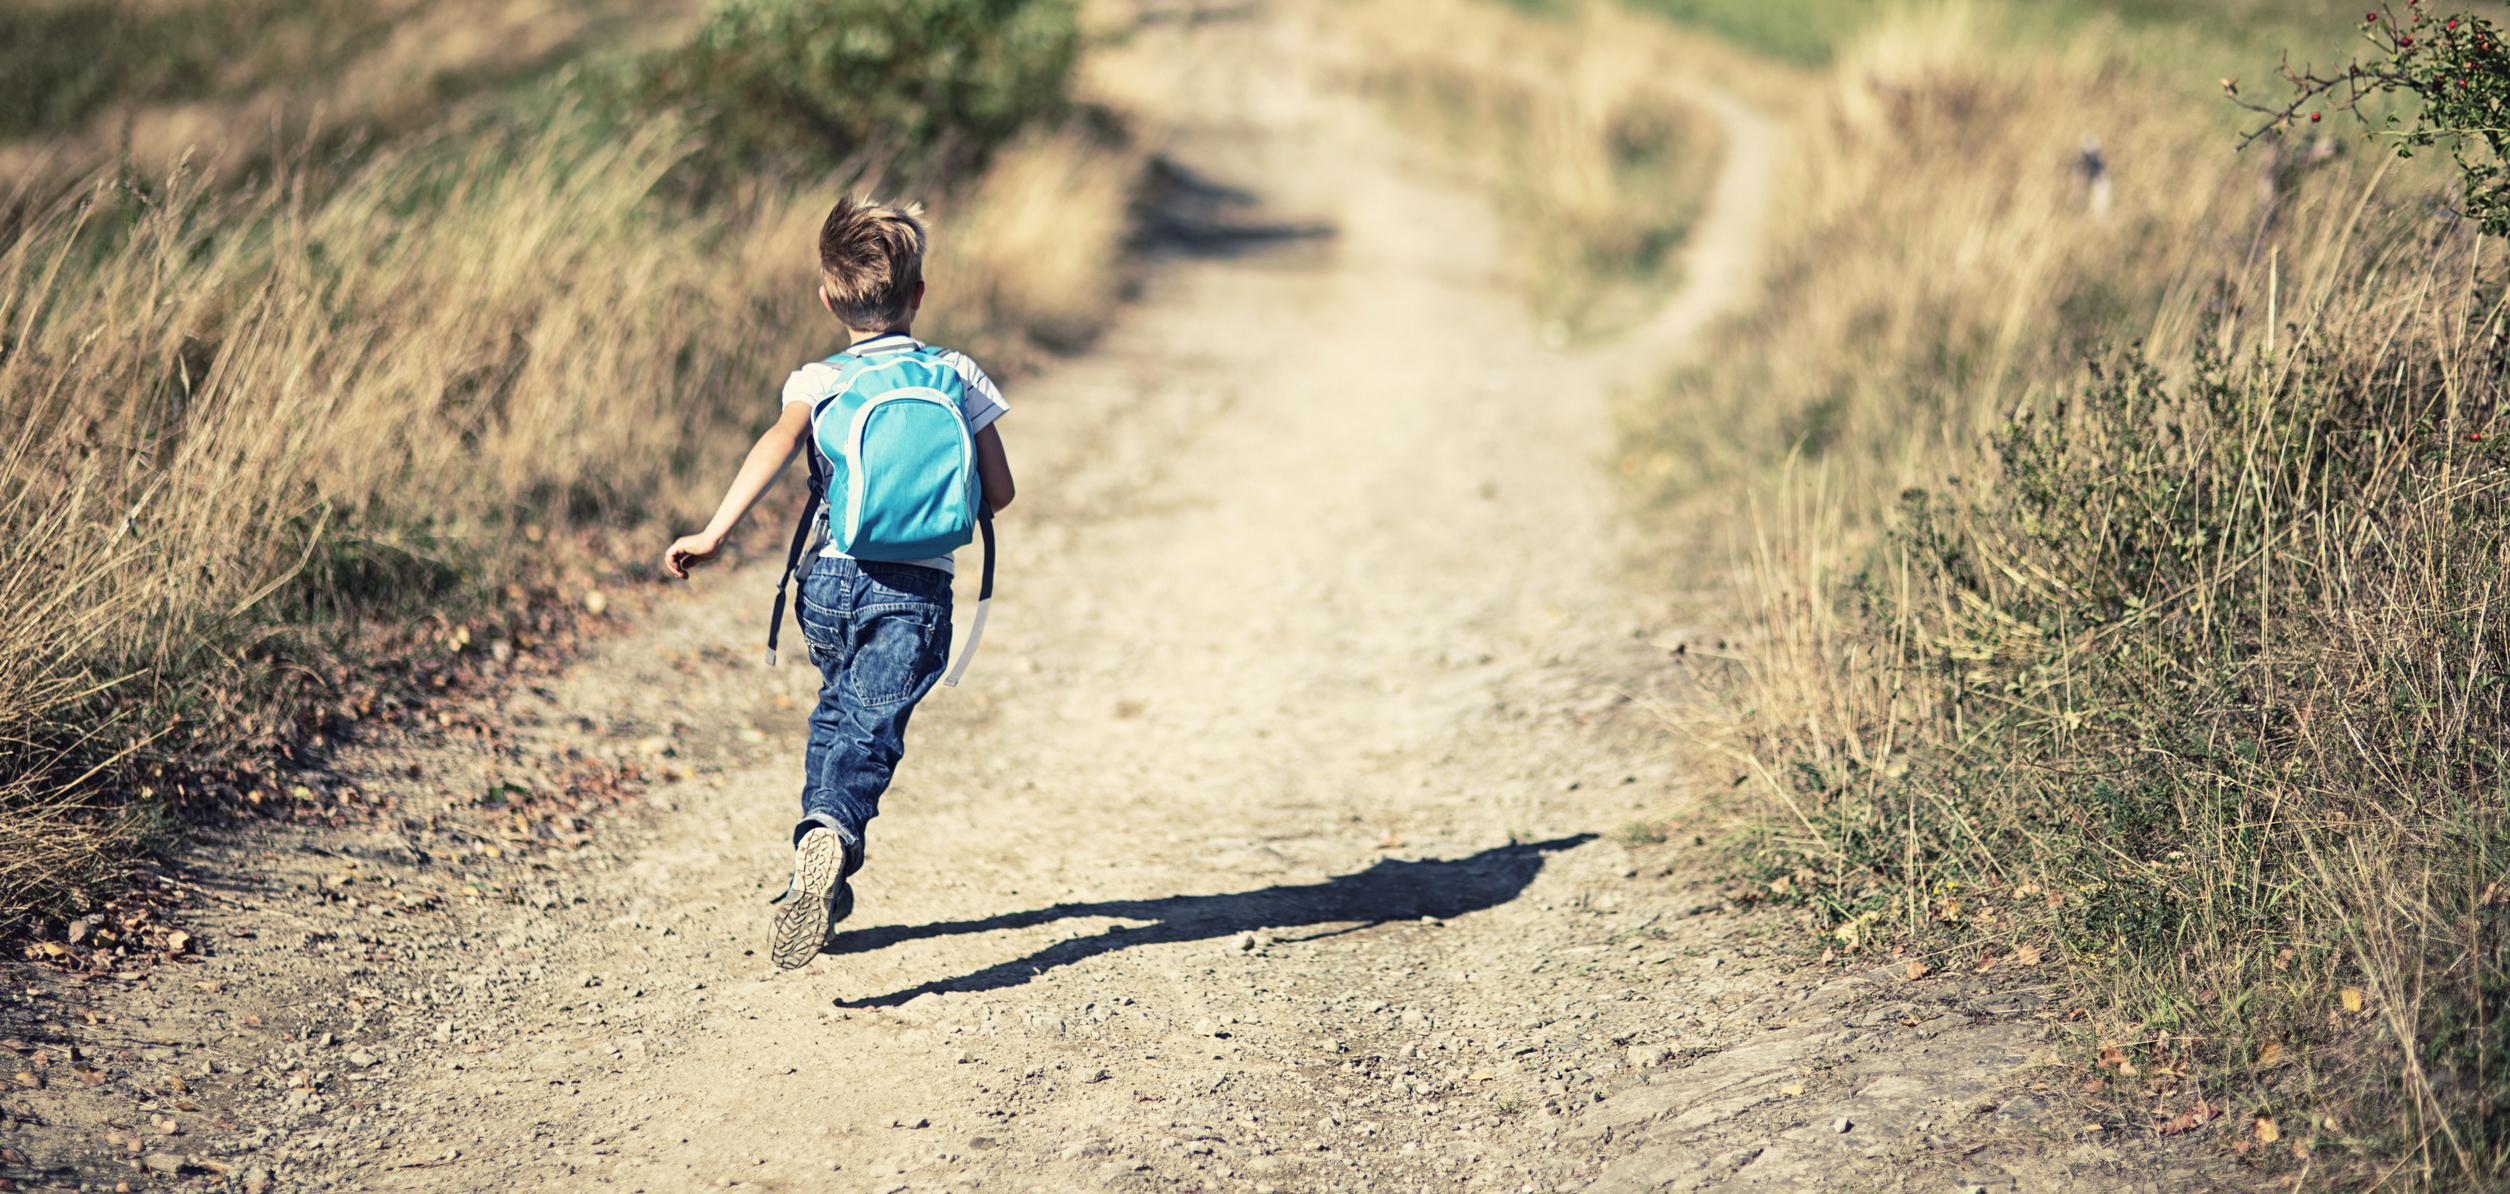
(982, 405)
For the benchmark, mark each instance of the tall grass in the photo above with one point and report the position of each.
(244, 430)
(2130, 587)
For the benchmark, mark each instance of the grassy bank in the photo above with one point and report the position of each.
(259, 436)
(2125, 563)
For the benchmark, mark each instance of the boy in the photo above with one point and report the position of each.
(879, 631)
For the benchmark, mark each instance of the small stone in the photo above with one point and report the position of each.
(1096, 1076)
(1841, 1125)
(1246, 941)
(163, 1162)
(911, 1122)
(361, 1059)
(256, 1181)
(325, 1041)
(595, 603)
(444, 1032)
(1643, 1056)
(1207, 1027)
(158, 1055)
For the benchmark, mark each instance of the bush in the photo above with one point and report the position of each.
(817, 82)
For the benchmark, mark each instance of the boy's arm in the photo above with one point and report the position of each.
(767, 458)
(993, 469)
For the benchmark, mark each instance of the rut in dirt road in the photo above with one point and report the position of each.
(1262, 851)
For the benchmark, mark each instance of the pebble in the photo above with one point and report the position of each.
(1841, 1124)
(361, 1059)
(163, 1162)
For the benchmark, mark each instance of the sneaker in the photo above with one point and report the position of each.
(815, 901)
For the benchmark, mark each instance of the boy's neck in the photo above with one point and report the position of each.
(855, 336)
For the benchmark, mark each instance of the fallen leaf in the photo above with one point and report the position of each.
(2190, 1119)
(1791, 1089)
(2095, 1086)
(2283, 959)
(1989, 962)
(27, 1079)
(2267, 1132)
(2056, 900)
(2269, 1053)
(12, 1156)
(2028, 955)
(1917, 970)
(2351, 998)
(54, 949)
(92, 1077)
(2112, 1057)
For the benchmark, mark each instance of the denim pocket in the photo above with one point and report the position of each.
(819, 606)
(899, 650)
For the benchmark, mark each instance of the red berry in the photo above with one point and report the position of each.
(2313, 118)
(2453, 22)
(2371, 17)
(2405, 39)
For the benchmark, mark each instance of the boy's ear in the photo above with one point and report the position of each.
(915, 301)
(825, 300)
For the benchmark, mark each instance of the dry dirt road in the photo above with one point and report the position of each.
(1268, 847)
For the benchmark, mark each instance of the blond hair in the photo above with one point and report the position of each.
(871, 257)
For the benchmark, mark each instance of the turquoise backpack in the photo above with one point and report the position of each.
(891, 457)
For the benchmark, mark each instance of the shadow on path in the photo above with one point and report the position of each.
(1178, 211)
(1391, 890)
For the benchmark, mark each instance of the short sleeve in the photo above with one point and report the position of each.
(984, 399)
(809, 384)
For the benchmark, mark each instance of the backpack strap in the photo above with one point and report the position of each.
(984, 597)
(793, 555)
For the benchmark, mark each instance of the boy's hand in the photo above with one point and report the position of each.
(689, 551)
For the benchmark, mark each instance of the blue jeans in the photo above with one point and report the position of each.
(880, 634)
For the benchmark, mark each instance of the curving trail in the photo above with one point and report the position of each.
(1264, 849)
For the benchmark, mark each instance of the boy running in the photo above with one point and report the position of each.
(879, 630)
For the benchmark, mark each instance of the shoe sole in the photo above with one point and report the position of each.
(802, 927)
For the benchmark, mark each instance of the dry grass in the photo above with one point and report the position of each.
(1581, 127)
(2126, 582)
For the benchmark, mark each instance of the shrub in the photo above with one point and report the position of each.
(817, 82)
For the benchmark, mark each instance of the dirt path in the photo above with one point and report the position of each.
(1264, 849)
